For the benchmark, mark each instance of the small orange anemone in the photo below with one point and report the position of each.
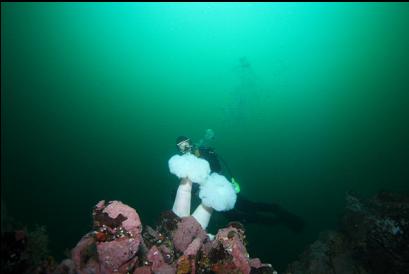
(101, 236)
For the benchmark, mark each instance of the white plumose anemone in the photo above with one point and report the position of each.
(188, 168)
(216, 193)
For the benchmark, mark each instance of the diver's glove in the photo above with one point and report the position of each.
(236, 185)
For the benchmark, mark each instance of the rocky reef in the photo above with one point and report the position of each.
(119, 244)
(25, 251)
(373, 238)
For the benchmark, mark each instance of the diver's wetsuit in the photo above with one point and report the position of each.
(209, 155)
(246, 211)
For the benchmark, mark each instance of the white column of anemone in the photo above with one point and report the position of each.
(217, 194)
(202, 215)
(181, 206)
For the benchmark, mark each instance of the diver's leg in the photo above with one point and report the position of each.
(245, 204)
(247, 218)
(252, 210)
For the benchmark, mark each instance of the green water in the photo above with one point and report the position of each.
(307, 101)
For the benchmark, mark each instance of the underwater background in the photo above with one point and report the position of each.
(307, 101)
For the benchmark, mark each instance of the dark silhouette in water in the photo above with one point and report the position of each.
(245, 210)
(244, 63)
(243, 93)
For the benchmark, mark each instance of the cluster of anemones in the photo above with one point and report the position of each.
(216, 192)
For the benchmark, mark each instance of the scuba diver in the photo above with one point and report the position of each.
(245, 210)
